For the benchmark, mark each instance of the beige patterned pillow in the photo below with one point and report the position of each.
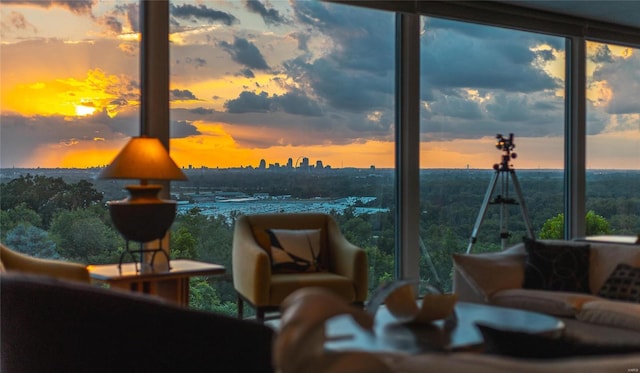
(491, 272)
(295, 250)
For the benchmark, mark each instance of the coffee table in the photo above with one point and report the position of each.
(392, 336)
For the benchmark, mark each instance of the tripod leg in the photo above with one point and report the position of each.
(483, 211)
(523, 207)
(504, 200)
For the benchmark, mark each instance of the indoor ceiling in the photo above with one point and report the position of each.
(625, 12)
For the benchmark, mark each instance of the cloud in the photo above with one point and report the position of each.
(37, 132)
(81, 7)
(269, 16)
(361, 36)
(247, 73)
(295, 102)
(181, 95)
(17, 21)
(112, 24)
(491, 58)
(202, 12)
(245, 53)
(342, 88)
(201, 111)
(131, 13)
(249, 102)
(183, 128)
(621, 77)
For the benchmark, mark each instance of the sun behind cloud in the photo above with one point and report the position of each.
(70, 96)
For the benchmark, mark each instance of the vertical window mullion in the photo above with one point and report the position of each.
(407, 146)
(575, 139)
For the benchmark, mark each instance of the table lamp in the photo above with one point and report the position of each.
(143, 216)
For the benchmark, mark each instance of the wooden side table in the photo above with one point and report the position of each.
(172, 285)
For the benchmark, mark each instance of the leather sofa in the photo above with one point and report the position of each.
(52, 325)
(498, 278)
(299, 347)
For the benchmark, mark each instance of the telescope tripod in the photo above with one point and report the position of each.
(503, 172)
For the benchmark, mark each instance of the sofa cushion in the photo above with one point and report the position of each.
(542, 346)
(480, 270)
(556, 266)
(295, 250)
(606, 257)
(557, 303)
(622, 284)
(611, 313)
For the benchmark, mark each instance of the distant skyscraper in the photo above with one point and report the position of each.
(290, 163)
(319, 165)
(263, 164)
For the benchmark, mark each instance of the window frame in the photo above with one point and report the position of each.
(154, 16)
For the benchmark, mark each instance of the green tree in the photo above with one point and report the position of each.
(204, 297)
(33, 241)
(183, 244)
(20, 214)
(47, 195)
(553, 228)
(84, 236)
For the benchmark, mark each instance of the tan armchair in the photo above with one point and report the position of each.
(345, 271)
(14, 261)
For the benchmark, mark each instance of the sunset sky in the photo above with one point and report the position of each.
(279, 79)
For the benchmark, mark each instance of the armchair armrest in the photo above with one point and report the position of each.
(14, 261)
(250, 265)
(349, 260)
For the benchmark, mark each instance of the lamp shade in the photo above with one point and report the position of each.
(143, 158)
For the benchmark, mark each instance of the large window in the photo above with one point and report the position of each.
(70, 100)
(291, 106)
(478, 82)
(282, 107)
(613, 140)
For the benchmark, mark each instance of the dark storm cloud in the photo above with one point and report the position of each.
(345, 89)
(622, 76)
(132, 12)
(455, 59)
(182, 128)
(269, 16)
(201, 111)
(37, 131)
(370, 48)
(249, 102)
(457, 107)
(247, 73)
(189, 12)
(75, 6)
(295, 102)
(246, 53)
(181, 94)
(357, 74)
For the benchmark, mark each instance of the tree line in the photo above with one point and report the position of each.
(50, 218)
